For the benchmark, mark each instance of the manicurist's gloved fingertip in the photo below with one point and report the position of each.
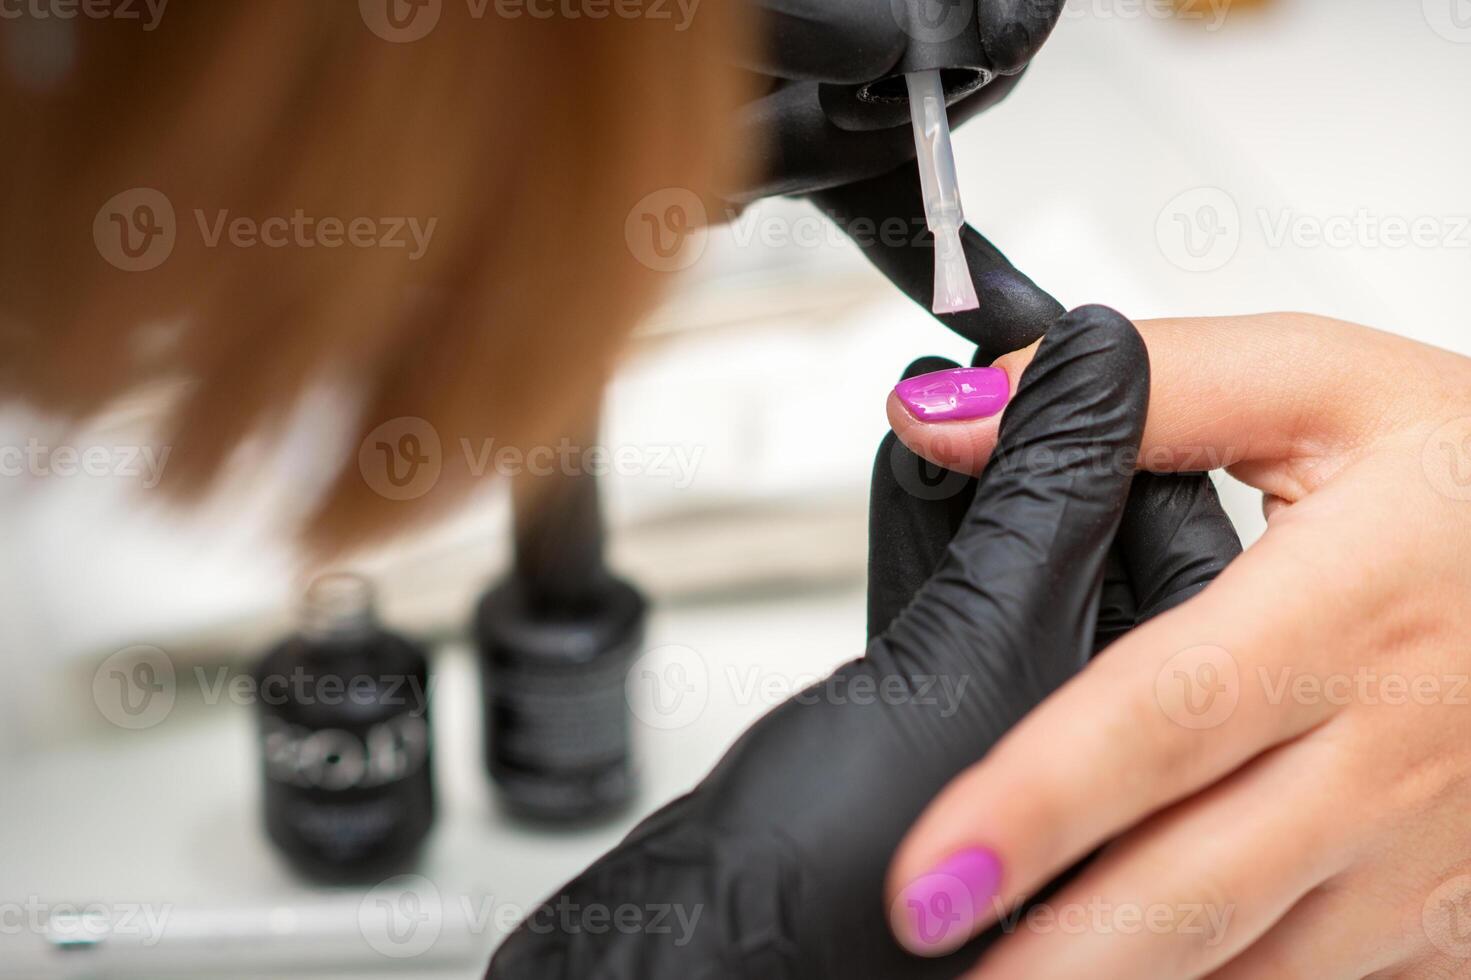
(1013, 31)
(1118, 363)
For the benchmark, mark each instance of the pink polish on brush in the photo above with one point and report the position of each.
(937, 912)
(955, 395)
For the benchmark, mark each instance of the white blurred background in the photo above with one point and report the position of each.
(1301, 154)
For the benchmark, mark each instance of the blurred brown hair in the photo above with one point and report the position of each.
(526, 139)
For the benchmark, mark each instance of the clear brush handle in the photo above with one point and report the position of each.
(954, 290)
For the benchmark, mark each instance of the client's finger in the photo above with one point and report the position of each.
(1164, 712)
(1252, 392)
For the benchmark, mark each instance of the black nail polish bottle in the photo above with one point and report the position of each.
(556, 639)
(343, 707)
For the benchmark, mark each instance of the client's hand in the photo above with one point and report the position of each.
(815, 54)
(1282, 765)
(777, 859)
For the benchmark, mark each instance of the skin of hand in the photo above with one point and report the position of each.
(813, 48)
(1278, 771)
(998, 590)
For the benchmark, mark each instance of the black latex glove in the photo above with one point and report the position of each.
(1013, 311)
(1172, 542)
(776, 861)
(821, 123)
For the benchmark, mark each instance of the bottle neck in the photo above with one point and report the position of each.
(559, 538)
(338, 606)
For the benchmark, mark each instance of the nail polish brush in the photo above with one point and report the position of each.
(954, 290)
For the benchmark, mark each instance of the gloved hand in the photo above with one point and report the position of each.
(1013, 311)
(822, 123)
(776, 861)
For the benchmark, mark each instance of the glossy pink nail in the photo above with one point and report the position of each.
(956, 394)
(938, 911)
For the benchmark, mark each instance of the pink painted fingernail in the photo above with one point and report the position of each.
(956, 394)
(938, 911)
